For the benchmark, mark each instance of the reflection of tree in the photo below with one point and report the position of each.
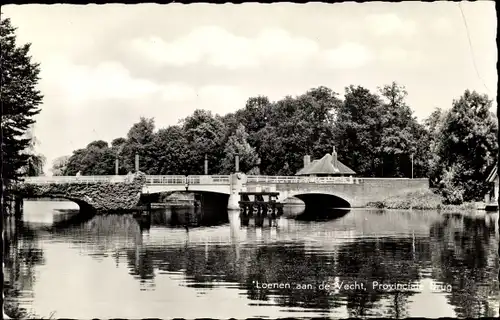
(461, 251)
(384, 259)
(465, 262)
(188, 216)
(293, 265)
(22, 253)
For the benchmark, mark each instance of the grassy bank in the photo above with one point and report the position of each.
(421, 200)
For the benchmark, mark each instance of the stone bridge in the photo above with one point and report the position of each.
(96, 193)
(108, 193)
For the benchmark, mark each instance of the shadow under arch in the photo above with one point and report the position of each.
(200, 198)
(323, 201)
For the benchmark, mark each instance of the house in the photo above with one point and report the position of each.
(328, 166)
(492, 196)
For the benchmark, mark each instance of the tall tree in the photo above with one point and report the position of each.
(467, 148)
(434, 126)
(402, 136)
(96, 159)
(205, 135)
(19, 100)
(171, 147)
(140, 141)
(358, 130)
(238, 145)
(36, 161)
(59, 165)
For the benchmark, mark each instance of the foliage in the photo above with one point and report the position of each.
(20, 100)
(205, 135)
(170, 147)
(139, 141)
(59, 165)
(238, 144)
(466, 147)
(420, 200)
(375, 133)
(95, 159)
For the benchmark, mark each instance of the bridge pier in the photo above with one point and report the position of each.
(237, 181)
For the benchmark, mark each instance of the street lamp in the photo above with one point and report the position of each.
(412, 165)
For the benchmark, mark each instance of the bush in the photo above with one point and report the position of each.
(423, 200)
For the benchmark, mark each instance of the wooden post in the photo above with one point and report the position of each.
(237, 163)
(116, 166)
(136, 162)
(206, 165)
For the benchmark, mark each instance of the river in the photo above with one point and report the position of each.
(191, 263)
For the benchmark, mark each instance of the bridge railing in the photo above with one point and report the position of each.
(74, 179)
(166, 179)
(288, 179)
(196, 179)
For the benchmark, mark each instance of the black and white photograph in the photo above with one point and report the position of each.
(234, 161)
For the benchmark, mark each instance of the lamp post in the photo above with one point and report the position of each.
(237, 162)
(411, 165)
(206, 165)
(136, 162)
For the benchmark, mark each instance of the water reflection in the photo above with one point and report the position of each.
(279, 270)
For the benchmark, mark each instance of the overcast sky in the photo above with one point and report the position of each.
(102, 67)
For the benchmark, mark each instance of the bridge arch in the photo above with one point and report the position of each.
(220, 189)
(320, 199)
(84, 205)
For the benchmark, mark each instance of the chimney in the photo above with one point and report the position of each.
(307, 160)
(334, 158)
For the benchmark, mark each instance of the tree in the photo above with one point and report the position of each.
(19, 99)
(170, 146)
(434, 126)
(358, 131)
(402, 135)
(238, 145)
(466, 147)
(205, 135)
(100, 144)
(96, 159)
(36, 161)
(140, 141)
(378, 135)
(294, 127)
(59, 165)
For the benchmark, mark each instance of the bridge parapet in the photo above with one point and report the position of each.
(198, 179)
(290, 180)
(77, 179)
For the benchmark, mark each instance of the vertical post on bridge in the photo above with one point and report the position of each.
(117, 166)
(237, 163)
(136, 162)
(206, 165)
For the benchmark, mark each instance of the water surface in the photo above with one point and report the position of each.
(190, 263)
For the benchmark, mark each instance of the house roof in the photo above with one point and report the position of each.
(493, 174)
(325, 166)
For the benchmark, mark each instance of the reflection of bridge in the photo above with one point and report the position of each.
(320, 191)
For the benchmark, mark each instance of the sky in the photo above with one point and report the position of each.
(105, 66)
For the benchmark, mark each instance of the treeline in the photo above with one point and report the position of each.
(375, 134)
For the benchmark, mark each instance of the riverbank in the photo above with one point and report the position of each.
(421, 200)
